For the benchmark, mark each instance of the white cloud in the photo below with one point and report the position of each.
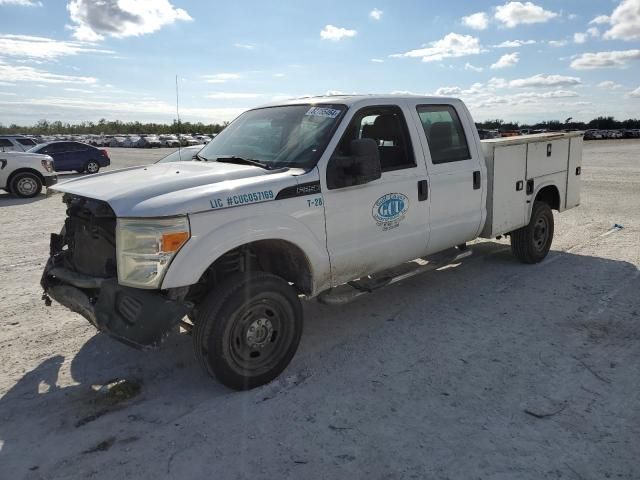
(593, 32)
(93, 20)
(579, 37)
(625, 21)
(514, 43)
(613, 59)
(43, 48)
(477, 21)
(557, 43)
(245, 46)
(377, 60)
(232, 95)
(79, 90)
(513, 14)
(635, 93)
(508, 60)
(221, 77)
(376, 14)
(468, 66)
(335, 34)
(453, 45)
(572, 16)
(36, 108)
(448, 91)
(609, 85)
(22, 3)
(15, 73)
(600, 20)
(543, 81)
(497, 83)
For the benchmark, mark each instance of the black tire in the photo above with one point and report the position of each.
(92, 167)
(248, 330)
(531, 244)
(26, 185)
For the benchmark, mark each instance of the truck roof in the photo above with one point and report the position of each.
(351, 100)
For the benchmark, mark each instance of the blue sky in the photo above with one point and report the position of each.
(527, 61)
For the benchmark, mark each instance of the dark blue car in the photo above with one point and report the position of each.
(74, 156)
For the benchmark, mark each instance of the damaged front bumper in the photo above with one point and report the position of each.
(139, 318)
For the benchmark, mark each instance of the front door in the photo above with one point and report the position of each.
(456, 171)
(383, 223)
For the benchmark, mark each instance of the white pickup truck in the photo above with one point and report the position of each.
(24, 174)
(327, 198)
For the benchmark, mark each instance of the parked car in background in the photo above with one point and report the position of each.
(16, 143)
(148, 141)
(169, 141)
(184, 154)
(130, 142)
(188, 140)
(116, 142)
(68, 156)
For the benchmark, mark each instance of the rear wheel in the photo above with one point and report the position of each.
(531, 244)
(92, 167)
(248, 330)
(26, 185)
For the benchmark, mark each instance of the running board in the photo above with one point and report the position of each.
(352, 290)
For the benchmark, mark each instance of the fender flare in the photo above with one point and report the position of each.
(204, 248)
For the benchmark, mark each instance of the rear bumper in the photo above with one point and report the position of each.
(139, 318)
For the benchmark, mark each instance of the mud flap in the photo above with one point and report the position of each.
(136, 317)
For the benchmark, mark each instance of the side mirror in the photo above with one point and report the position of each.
(362, 166)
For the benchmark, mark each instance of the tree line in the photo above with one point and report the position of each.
(117, 127)
(111, 127)
(600, 123)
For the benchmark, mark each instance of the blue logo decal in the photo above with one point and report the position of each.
(389, 210)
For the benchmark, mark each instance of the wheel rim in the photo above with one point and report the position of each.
(92, 167)
(258, 337)
(27, 186)
(540, 233)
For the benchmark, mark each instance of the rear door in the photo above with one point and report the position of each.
(77, 155)
(456, 171)
(380, 224)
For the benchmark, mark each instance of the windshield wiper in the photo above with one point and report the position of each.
(243, 161)
(201, 158)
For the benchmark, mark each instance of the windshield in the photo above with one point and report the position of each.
(285, 136)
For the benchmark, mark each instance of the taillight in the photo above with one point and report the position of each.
(47, 165)
(105, 153)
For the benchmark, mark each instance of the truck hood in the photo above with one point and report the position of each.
(179, 188)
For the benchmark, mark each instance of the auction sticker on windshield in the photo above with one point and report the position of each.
(323, 112)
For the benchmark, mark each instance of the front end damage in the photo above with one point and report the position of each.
(81, 274)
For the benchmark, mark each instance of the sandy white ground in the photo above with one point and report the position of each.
(442, 376)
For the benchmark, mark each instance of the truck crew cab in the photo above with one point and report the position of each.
(326, 198)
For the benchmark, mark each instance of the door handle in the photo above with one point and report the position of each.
(519, 185)
(476, 180)
(423, 190)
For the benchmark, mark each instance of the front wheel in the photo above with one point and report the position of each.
(248, 330)
(531, 244)
(26, 185)
(92, 167)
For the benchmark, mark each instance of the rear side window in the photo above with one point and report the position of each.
(444, 132)
(76, 147)
(26, 142)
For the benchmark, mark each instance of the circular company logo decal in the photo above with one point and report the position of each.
(389, 210)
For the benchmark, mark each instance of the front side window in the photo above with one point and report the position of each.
(444, 132)
(5, 143)
(387, 126)
(285, 136)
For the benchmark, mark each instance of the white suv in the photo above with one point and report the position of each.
(16, 143)
(23, 174)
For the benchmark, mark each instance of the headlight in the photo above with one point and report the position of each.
(145, 248)
(47, 164)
